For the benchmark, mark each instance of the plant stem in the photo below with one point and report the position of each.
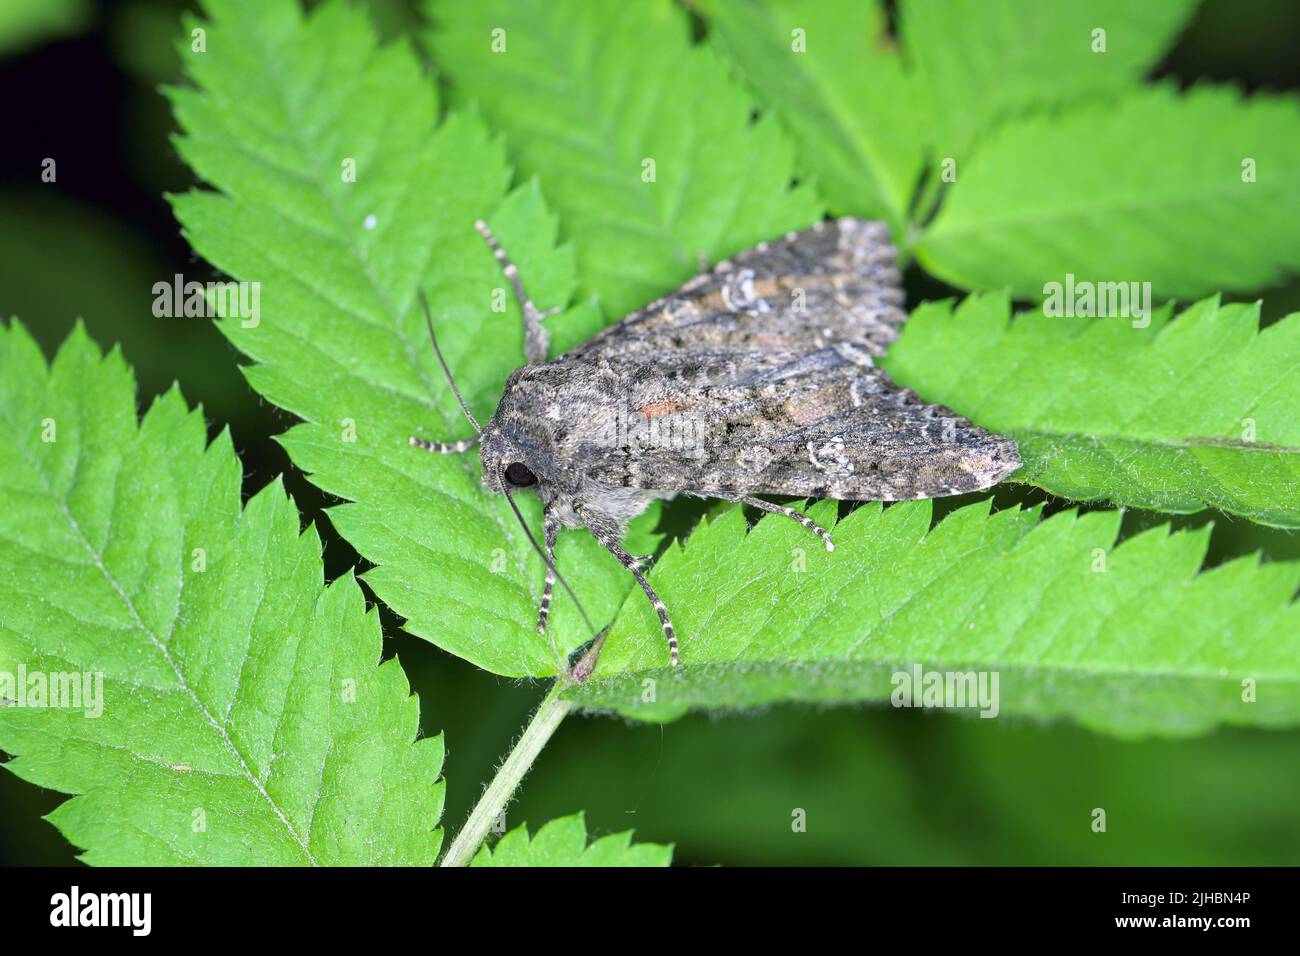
(553, 709)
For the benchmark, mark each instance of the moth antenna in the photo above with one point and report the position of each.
(428, 320)
(443, 447)
(535, 337)
(549, 563)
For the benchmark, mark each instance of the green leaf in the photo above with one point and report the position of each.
(563, 842)
(836, 81)
(590, 93)
(984, 60)
(242, 715)
(863, 124)
(1193, 193)
(341, 343)
(283, 105)
(1128, 638)
(1181, 415)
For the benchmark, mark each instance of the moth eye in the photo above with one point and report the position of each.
(517, 474)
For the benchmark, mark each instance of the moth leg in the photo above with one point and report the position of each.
(550, 529)
(630, 562)
(444, 447)
(536, 338)
(804, 520)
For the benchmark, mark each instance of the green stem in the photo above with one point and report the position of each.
(553, 709)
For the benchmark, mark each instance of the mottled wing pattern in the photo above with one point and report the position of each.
(833, 284)
(758, 378)
(818, 425)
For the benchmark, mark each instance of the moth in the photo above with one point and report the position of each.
(756, 377)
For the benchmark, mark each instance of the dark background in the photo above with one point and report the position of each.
(878, 786)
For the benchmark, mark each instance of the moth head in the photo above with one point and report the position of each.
(510, 460)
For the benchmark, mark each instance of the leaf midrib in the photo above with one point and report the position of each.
(1225, 444)
(1073, 671)
(598, 142)
(864, 148)
(226, 740)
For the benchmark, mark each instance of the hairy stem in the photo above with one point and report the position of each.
(552, 710)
